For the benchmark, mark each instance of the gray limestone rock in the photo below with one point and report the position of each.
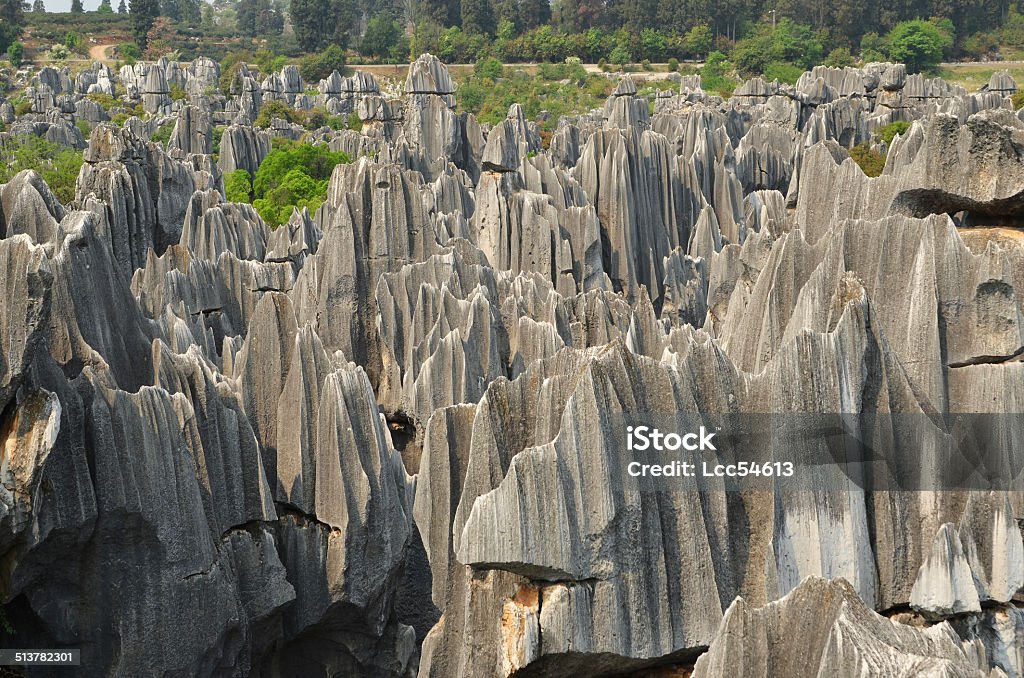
(244, 148)
(823, 628)
(219, 419)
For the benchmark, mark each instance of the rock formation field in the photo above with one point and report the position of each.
(383, 439)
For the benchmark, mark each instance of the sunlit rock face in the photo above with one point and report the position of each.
(386, 437)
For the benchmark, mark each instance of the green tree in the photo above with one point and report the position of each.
(840, 57)
(916, 43)
(699, 40)
(105, 7)
(787, 43)
(1012, 29)
(122, 8)
(292, 175)
(320, 23)
(38, 6)
(76, 7)
(12, 18)
(237, 186)
(620, 56)
(873, 47)
(245, 17)
(143, 14)
(534, 13)
(316, 67)
(478, 17)
(382, 36)
(439, 12)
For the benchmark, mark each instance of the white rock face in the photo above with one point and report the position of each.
(945, 585)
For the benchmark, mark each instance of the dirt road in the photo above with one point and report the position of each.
(99, 52)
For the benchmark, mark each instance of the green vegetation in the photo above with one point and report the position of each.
(840, 57)
(292, 175)
(163, 133)
(871, 162)
(714, 75)
(16, 53)
(316, 67)
(489, 98)
(787, 44)
(238, 186)
(130, 52)
(58, 165)
(919, 44)
(888, 132)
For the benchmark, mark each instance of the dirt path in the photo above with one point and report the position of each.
(99, 52)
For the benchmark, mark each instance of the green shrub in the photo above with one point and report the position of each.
(563, 71)
(488, 67)
(888, 132)
(237, 186)
(84, 127)
(783, 72)
(229, 66)
(218, 134)
(870, 161)
(105, 100)
(715, 75)
(16, 53)
(471, 95)
(316, 67)
(274, 109)
(58, 165)
(673, 65)
(840, 57)
(1018, 100)
(22, 108)
(354, 121)
(178, 92)
(163, 133)
(130, 52)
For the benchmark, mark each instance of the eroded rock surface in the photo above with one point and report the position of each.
(386, 437)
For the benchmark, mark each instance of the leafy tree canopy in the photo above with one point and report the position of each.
(918, 43)
(292, 175)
